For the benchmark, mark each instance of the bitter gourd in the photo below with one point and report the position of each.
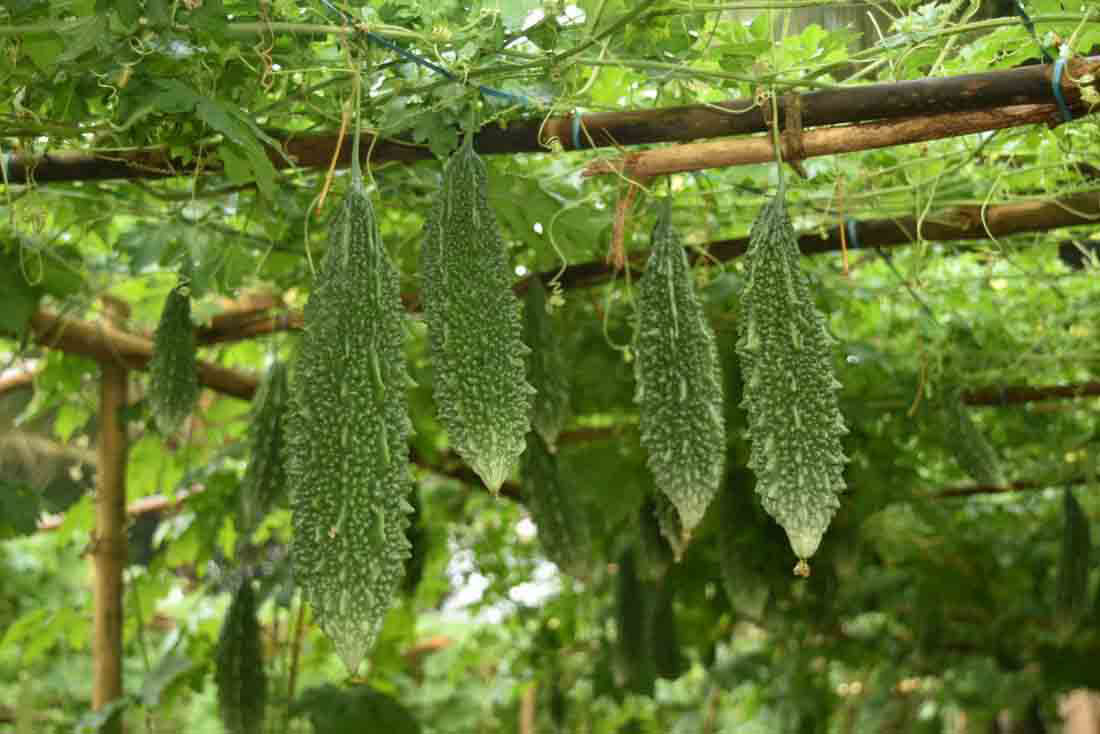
(174, 380)
(563, 530)
(655, 554)
(545, 366)
(794, 423)
(971, 449)
(664, 641)
(347, 434)
(474, 329)
(265, 476)
(668, 520)
(1073, 566)
(635, 668)
(679, 385)
(239, 666)
(419, 542)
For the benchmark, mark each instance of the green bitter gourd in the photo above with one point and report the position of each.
(563, 530)
(794, 422)
(545, 366)
(474, 329)
(173, 371)
(239, 676)
(668, 521)
(679, 384)
(655, 553)
(265, 476)
(347, 434)
(972, 451)
(1073, 566)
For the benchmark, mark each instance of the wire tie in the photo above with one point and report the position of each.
(1056, 87)
(853, 237)
(576, 130)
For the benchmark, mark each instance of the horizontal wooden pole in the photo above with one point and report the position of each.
(821, 142)
(968, 223)
(110, 345)
(1028, 85)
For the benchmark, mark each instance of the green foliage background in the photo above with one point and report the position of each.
(920, 609)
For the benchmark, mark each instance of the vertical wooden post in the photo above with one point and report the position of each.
(109, 542)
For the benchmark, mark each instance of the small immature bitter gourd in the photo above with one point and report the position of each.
(474, 329)
(347, 434)
(972, 451)
(679, 384)
(790, 391)
(265, 476)
(174, 379)
(563, 530)
(546, 369)
(239, 676)
(1073, 566)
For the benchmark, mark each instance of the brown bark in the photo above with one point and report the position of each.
(109, 540)
(1017, 394)
(109, 345)
(1024, 86)
(963, 223)
(826, 141)
(1080, 712)
(16, 380)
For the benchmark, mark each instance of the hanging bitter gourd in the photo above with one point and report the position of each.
(679, 384)
(563, 528)
(655, 555)
(972, 451)
(545, 366)
(668, 521)
(239, 676)
(474, 329)
(265, 476)
(789, 389)
(173, 370)
(347, 434)
(1073, 566)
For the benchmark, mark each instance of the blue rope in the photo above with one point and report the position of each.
(576, 130)
(421, 61)
(853, 237)
(1056, 87)
(1018, 6)
(416, 59)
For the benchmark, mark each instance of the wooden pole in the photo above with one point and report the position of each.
(861, 103)
(825, 141)
(109, 536)
(108, 344)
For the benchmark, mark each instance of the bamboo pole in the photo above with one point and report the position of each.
(826, 141)
(109, 547)
(1030, 85)
(108, 344)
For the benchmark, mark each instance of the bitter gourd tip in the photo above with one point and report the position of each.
(804, 542)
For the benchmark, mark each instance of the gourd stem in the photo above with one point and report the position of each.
(357, 84)
(775, 144)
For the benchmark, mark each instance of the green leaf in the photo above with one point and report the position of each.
(19, 299)
(168, 671)
(513, 12)
(333, 710)
(19, 509)
(230, 122)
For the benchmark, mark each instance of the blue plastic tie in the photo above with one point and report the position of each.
(1056, 87)
(421, 61)
(853, 237)
(576, 130)
(416, 59)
